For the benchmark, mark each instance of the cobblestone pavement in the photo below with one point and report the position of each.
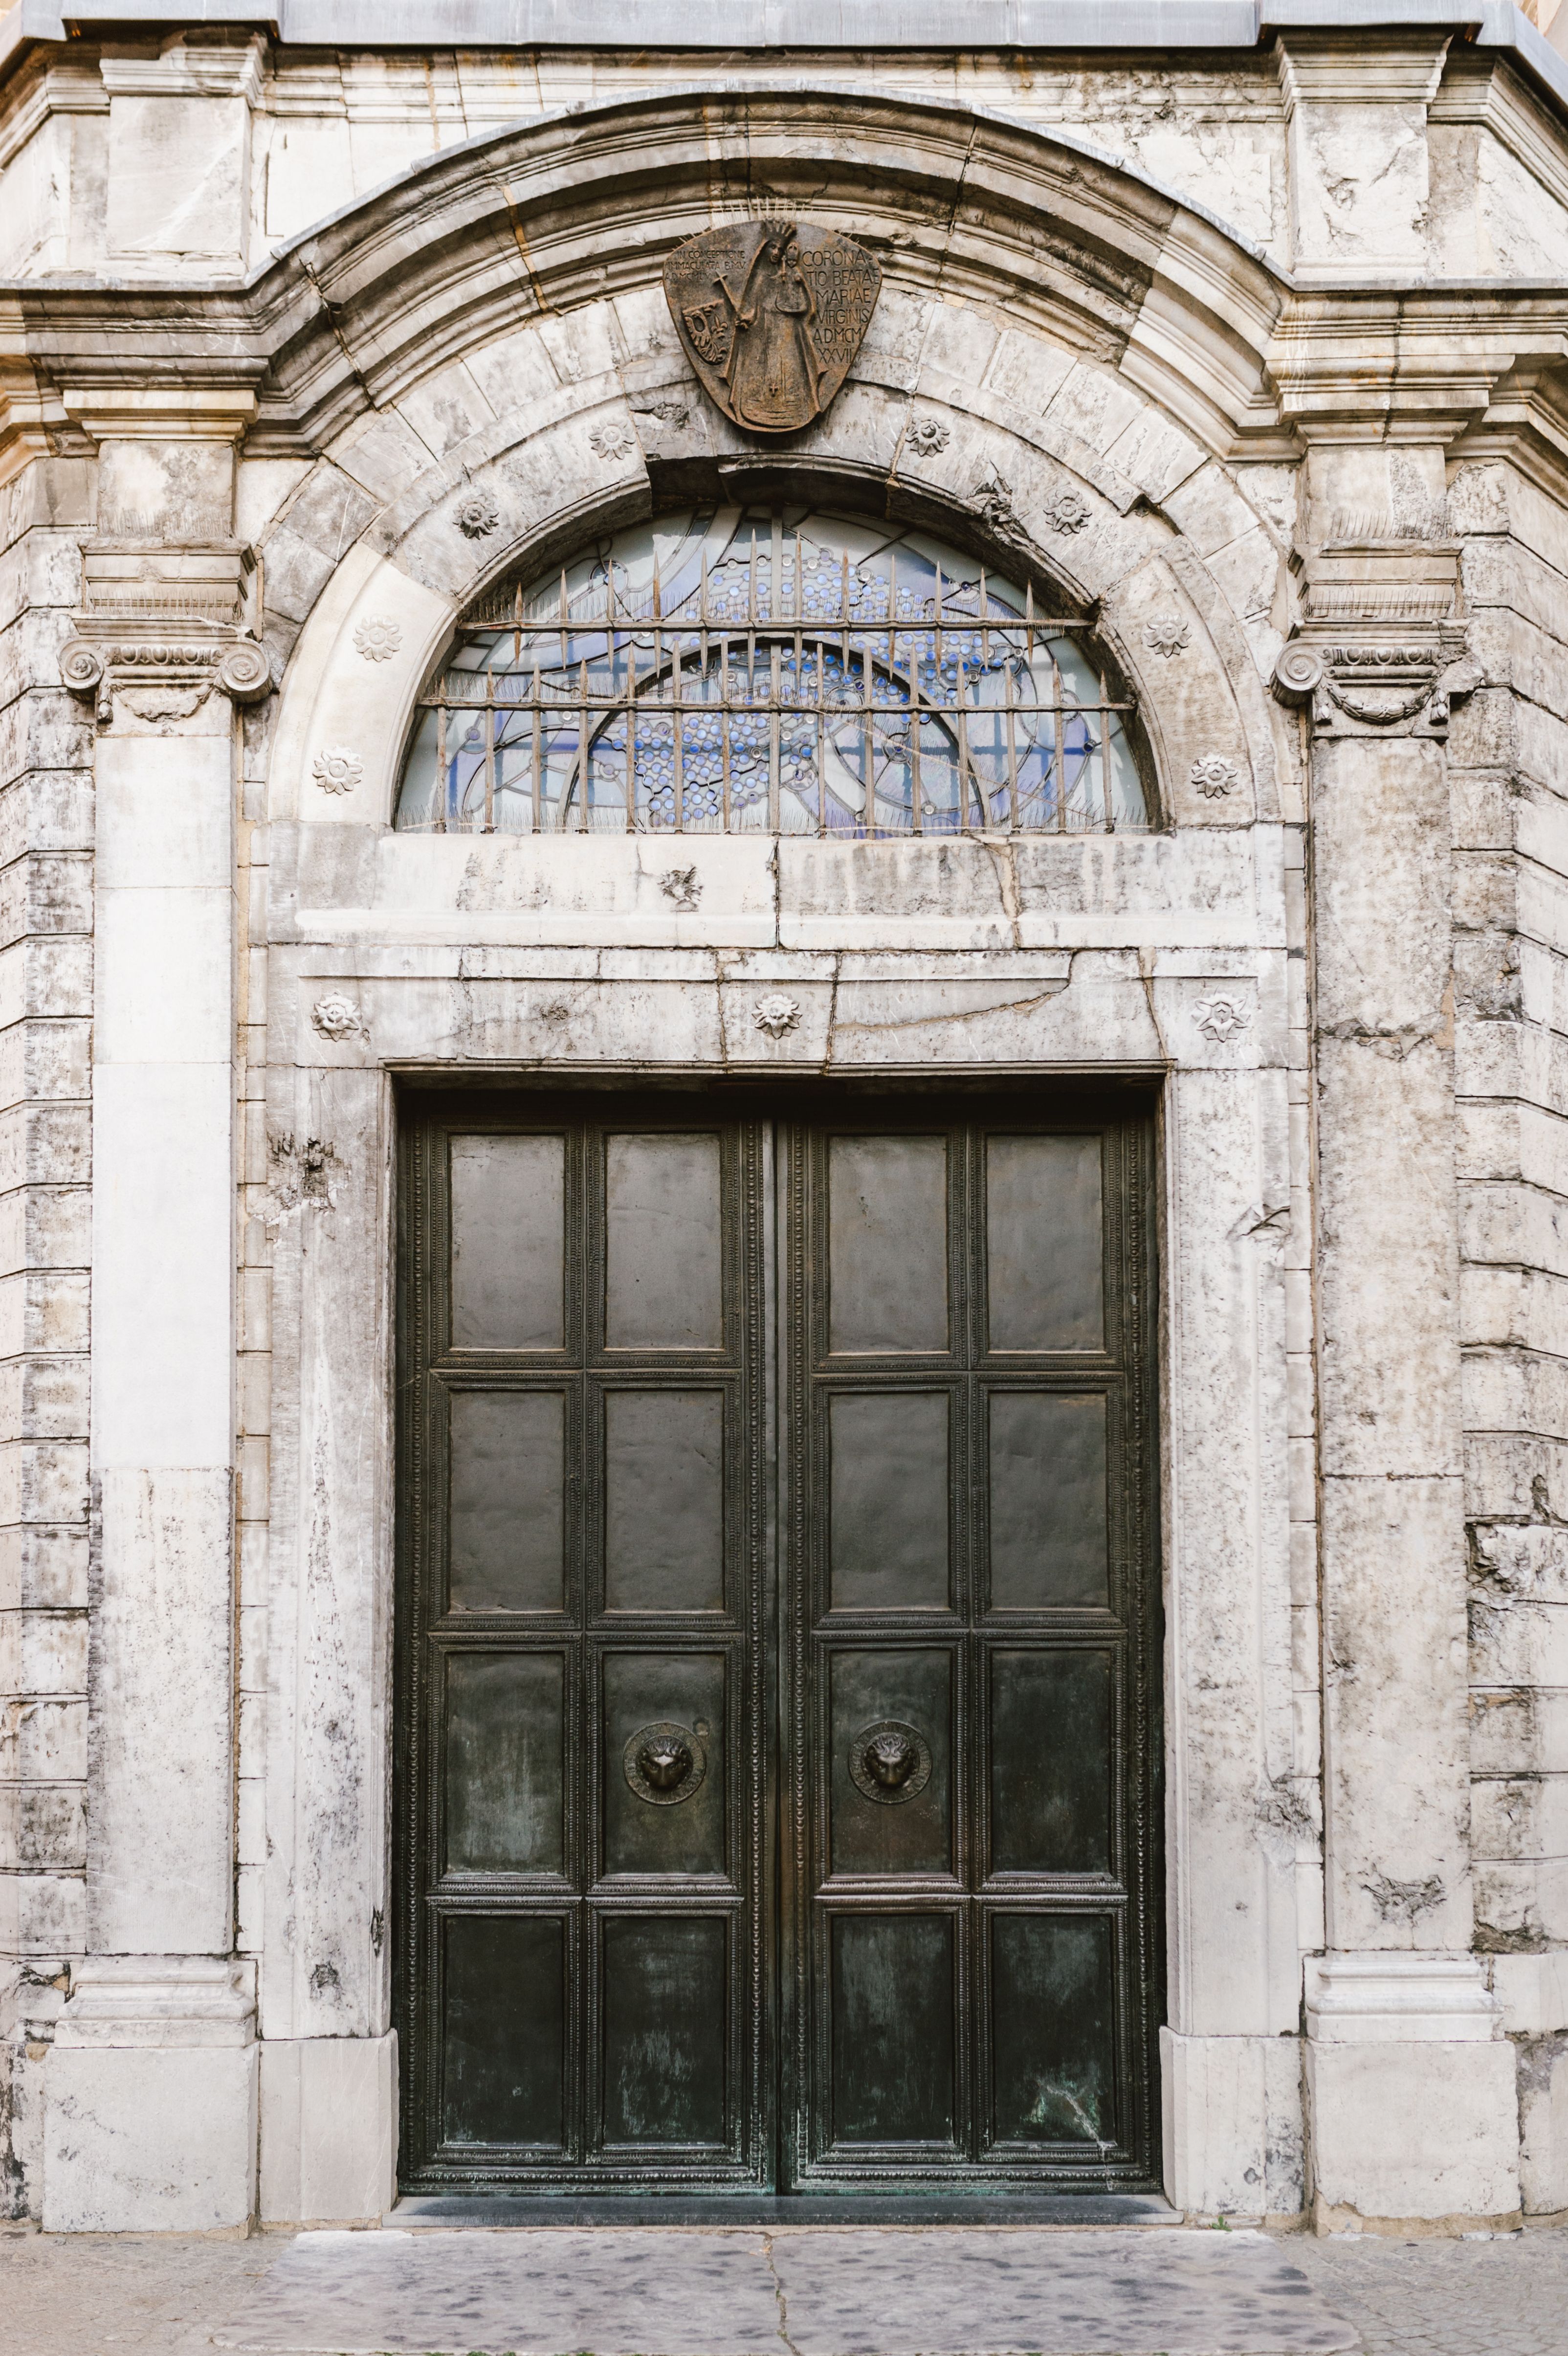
(134, 2296)
(1508, 2296)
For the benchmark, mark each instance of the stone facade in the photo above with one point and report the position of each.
(1253, 349)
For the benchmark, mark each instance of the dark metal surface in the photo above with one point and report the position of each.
(937, 2206)
(972, 1983)
(954, 1727)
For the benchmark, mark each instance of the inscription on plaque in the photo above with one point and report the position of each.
(771, 313)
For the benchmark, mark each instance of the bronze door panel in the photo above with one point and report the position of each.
(777, 1732)
(971, 1963)
(581, 1728)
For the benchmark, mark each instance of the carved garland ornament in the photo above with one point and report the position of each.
(1377, 690)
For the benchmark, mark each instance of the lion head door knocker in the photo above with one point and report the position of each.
(665, 1763)
(889, 1761)
(771, 313)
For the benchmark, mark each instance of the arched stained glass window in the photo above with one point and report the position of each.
(738, 670)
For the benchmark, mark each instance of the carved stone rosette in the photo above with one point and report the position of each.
(168, 618)
(1380, 648)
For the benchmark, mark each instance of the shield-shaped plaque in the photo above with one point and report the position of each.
(771, 313)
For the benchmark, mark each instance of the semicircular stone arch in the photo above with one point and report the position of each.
(1190, 619)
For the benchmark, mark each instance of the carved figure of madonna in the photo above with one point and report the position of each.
(775, 369)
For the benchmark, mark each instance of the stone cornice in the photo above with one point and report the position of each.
(955, 202)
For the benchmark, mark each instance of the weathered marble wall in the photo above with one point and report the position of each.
(1343, 971)
(199, 153)
(45, 1008)
(1507, 770)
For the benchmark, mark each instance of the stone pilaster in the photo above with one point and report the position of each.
(163, 613)
(1377, 663)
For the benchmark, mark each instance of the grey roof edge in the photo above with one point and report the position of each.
(860, 24)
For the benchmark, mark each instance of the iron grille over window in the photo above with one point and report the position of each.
(744, 671)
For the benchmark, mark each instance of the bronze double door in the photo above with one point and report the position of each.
(777, 1741)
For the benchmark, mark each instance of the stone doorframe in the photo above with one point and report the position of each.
(1073, 413)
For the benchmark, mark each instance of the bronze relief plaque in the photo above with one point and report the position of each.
(771, 313)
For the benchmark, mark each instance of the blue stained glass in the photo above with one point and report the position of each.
(744, 671)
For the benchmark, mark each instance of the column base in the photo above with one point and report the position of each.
(329, 2129)
(1413, 2119)
(150, 2099)
(1231, 2120)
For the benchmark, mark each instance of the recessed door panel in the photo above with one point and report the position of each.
(664, 1278)
(893, 2043)
(508, 1511)
(664, 1991)
(1051, 1761)
(505, 1756)
(1053, 2065)
(502, 2050)
(1047, 1491)
(888, 1243)
(509, 1232)
(890, 1500)
(664, 1762)
(664, 1500)
(891, 1776)
(1044, 1229)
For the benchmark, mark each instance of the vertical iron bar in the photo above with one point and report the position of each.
(777, 688)
(1060, 762)
(821, 736)
(679, 748)
(538, 746)
(440, 761)
(868, 805)
(582, 746)
(1106, 755)
(1012, 744)
(489, 754)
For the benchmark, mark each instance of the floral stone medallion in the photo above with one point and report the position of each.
(771, 313)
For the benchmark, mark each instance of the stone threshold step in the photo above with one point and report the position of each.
(774, 2212)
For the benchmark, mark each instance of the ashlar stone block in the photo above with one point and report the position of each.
(329, 2129)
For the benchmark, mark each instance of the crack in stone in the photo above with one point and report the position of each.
(779, 2296)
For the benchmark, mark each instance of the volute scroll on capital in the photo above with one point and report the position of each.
(1381, 648)
(1377, 690)
(178, 619)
